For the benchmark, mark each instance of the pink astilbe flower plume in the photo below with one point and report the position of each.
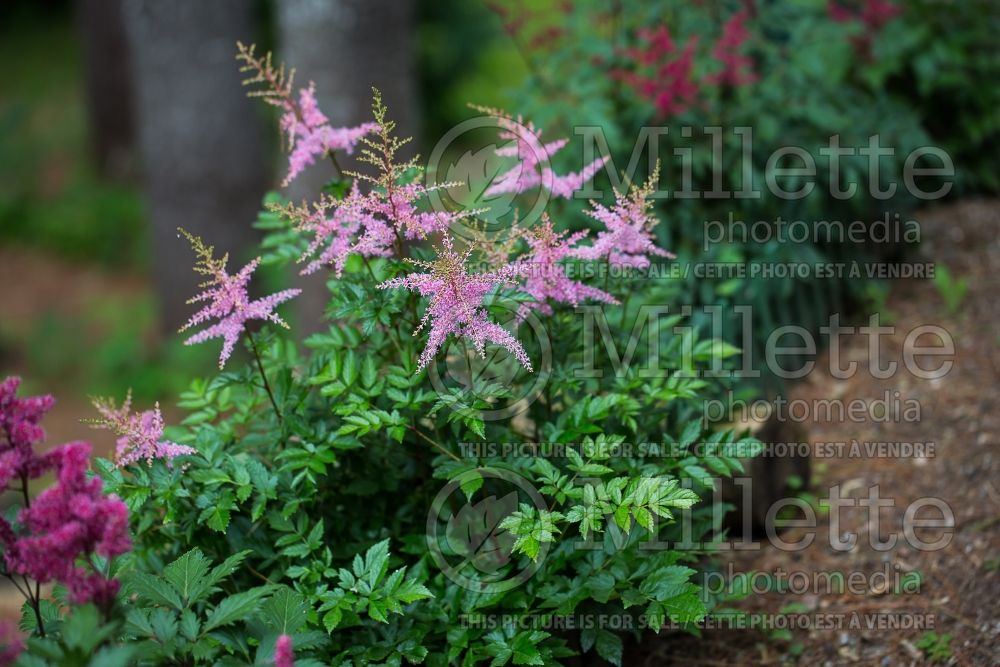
(310, 135)
(395, 189)
(338, 227)
(533, 168)
(284, 655)
(546, 278)
(140, 433)
(627, 238)
(228, 300)
(373, 223)
(456, 303)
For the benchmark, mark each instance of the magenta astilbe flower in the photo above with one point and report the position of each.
(533, 168)
(546, 278)
(456, 303)
(737, 68)
(284, 656)
(140, 434)
(627, 238)
(20, 427)
(11, 643)
(659, 73)
(20, 417)
(69, 521)
(876, 13)
(310, 135)
(228, 300)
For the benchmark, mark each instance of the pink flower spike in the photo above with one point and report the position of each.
(229, 301)
(284, 656)
(627, 238)
(140, 434)
(533, 168)
(456, 303)
(310, 135)
(546, 277)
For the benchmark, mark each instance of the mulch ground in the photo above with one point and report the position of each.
(959, 585)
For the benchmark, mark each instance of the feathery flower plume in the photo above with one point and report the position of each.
(373, 223)
(69, 521)
(310, 135)
(228, 300)
(284, 655)
(627, 238)
(533, 168)
(338, 227)
(546, 276)
(140, 433)
(396, 189)
(456, 303)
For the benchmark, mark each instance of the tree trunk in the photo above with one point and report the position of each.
(201, 141)
(108, 88)
(346, 47)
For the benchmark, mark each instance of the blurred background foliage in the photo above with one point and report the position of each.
(928, 74)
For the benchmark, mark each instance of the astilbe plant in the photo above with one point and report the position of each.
(315, 486)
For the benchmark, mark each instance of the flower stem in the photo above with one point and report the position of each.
(433, 442)
(33, 600)
(263, 375)
(336, 165)
(621, 325)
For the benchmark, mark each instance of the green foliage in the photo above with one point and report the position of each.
(952, 289)
(946, 67)
(936, 647)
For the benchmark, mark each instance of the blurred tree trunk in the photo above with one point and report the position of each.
(108, 89)
(346, 47)
(203, 157)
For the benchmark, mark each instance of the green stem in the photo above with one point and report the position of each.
(621, 325)
(263, 375)
(433, 442)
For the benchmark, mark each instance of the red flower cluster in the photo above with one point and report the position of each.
(873, 15)
(737, 68)
(662, 73)
(68, 522)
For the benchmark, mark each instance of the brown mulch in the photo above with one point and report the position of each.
(959, 589)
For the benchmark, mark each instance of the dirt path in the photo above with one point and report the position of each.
(954, 590)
